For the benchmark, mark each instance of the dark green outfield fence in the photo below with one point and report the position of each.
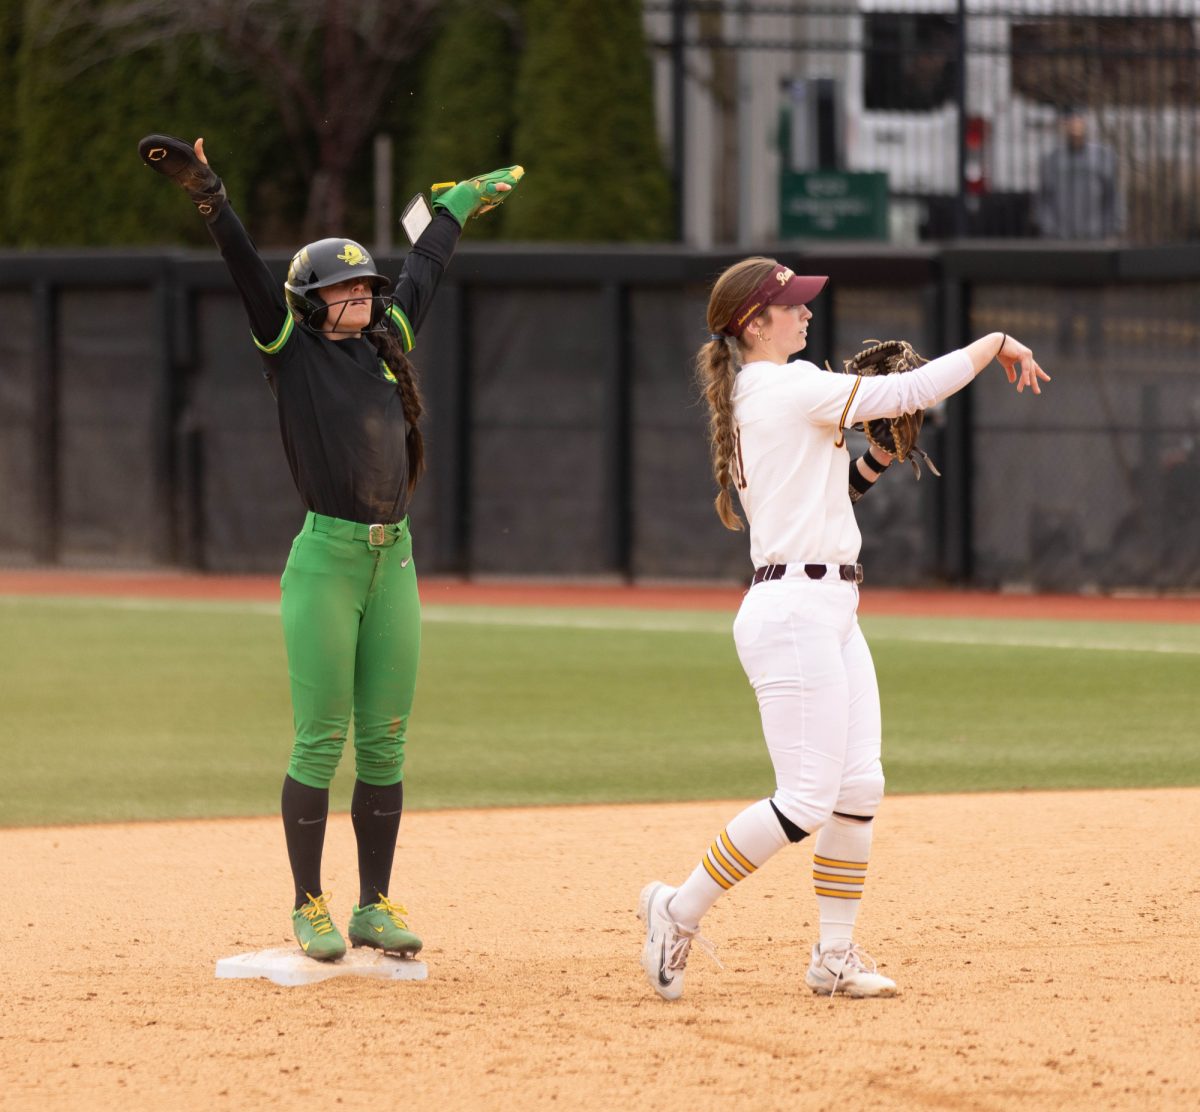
(565, 436)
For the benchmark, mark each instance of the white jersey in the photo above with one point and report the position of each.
(791, 466)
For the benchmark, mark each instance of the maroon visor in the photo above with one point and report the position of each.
(780, 287)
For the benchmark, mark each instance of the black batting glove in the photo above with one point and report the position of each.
(177, 160)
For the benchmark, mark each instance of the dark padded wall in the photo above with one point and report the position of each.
(537, 396)
(18, 478)
(111, 382)
(250, 508)
(676, 532)
(565, 433)
(1101, 487)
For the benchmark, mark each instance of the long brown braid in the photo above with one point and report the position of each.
(391, 352)
(716, 370)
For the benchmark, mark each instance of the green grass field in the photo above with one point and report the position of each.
(115, 710)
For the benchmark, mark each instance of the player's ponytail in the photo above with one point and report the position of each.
(716, 369)
(391, 352)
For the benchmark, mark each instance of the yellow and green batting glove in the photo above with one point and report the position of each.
(477, 195)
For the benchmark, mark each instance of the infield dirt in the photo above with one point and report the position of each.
(1046, 947)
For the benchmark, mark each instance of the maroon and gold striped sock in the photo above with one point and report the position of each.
(742, 847)
(841, 850)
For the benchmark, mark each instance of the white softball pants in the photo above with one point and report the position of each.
(806, 658)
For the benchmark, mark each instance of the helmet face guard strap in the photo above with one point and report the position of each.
(329, 262)
(322, 310)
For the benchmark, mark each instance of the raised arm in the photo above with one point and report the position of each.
(186, 165)
(431, 254)
(423, 269)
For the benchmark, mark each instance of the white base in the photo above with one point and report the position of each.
(291, 967)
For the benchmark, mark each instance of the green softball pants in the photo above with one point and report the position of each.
(352, 627)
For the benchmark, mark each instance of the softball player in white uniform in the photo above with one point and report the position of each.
(777, 438)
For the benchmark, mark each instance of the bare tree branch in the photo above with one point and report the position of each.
(325, 64)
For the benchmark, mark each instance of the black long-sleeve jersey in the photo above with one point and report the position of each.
(340, 413)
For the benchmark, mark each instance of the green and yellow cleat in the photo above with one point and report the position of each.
(314, 929)
(382, 926)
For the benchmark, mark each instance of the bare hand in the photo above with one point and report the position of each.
(200, 151)
(1020, 366)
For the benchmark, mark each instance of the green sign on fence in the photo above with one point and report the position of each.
(833, 204)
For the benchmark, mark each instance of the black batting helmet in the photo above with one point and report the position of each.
(325, 263)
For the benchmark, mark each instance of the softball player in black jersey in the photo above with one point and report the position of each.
(334, 343)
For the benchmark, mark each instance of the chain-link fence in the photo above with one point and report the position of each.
(1074, 119)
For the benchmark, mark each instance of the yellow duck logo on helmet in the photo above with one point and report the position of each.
(353, 255)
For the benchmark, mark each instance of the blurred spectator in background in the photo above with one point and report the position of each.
(1079, 196)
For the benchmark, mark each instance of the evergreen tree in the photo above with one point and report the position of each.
(465, 106)
(10, 38)
(76, 178)
(585, 128)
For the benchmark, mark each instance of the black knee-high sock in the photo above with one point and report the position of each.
(375, 813)
(305, 811)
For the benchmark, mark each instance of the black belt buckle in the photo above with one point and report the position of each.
(376, 535)
(852, 573)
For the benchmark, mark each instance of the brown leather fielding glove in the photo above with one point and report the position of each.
(897, 435)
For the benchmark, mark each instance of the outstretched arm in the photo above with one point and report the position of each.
(924, 386)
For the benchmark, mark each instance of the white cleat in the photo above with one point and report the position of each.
(666, 950)
(846, 969)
